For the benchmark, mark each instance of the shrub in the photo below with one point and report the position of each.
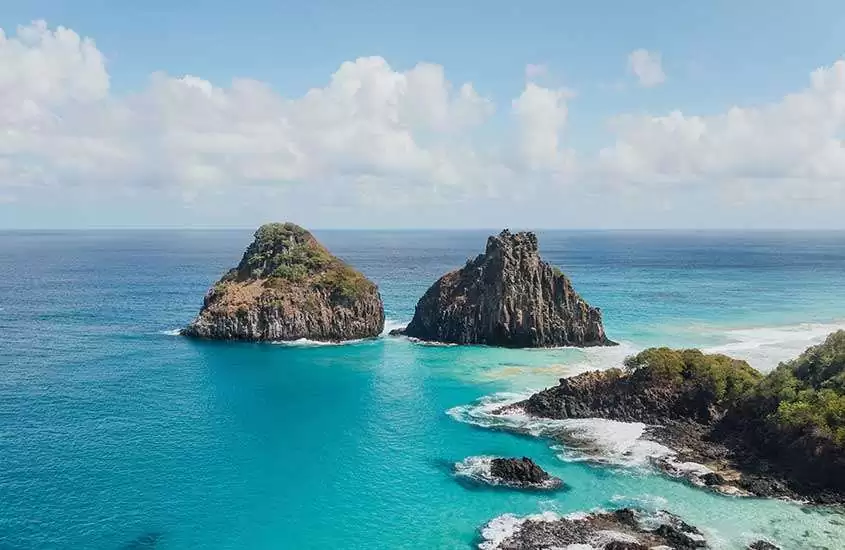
(727, 379)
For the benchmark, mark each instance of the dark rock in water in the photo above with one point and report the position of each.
(287, 287)
(624, 529)
(713, 479)
(522, 472)
(518, 473)
(762, 545)
(147, 541)
(507, 297)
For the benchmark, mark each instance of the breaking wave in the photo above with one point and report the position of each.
(587, 439)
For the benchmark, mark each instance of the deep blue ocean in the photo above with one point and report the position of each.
(117, 434)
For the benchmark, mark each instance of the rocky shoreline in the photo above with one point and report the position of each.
(704, 432)
(622, 529)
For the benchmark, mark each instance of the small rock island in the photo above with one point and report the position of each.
(288, 286)
(515, 473)
(507, 297)
(523, 473)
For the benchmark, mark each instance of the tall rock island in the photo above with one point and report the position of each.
(507, 297)
(286, 287)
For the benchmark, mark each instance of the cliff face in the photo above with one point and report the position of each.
(507, 297)
(286, 287)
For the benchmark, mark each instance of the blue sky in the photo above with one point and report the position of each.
(712, 56)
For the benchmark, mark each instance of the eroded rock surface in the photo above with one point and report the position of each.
(624, 529)
(288, 286)
(507, 297)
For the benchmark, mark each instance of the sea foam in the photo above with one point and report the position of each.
(591, 439)
(765, 347)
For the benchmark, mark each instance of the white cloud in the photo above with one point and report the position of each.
(375, 134)
(647, 67)
(60, 123)
(798, 138)
(541, 115)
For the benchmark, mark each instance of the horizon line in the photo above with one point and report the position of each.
(399, 229)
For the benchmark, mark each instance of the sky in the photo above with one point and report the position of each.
(591, 115)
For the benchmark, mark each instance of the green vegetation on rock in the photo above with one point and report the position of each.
(284, 253)
(804, 397)
(725, 378)
(807, 395)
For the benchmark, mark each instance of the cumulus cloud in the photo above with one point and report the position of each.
(61, 124)
(376, 134)
(541, 115)
(647, 67)
(798, 138)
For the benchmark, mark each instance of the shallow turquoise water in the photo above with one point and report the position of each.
(110, 428)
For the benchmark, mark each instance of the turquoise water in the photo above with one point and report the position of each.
(111, 428)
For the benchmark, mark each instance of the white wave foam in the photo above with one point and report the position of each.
(306, 343)
(171, 332)
(765, 347)
(392, 324)
(594, 439)
(648, 502)
(476, 467)
(501, 528)
(609, 442)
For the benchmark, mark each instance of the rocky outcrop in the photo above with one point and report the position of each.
(522, 472)
(288, 286)
(702, 408)
(517, 473)
(507, 297)
(624, 529)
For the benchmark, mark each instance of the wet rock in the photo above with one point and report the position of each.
(625, 529)
(762, 545)
(519, 473)
(522, 472)
(713, 479)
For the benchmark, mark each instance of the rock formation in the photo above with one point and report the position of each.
(507, 297)
(522, 472)
(624, 529)
(518, 473)
(287, 287)
(723, 415)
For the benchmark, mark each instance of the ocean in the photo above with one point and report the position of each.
(115, 433)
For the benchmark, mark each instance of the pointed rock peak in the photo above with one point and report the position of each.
(507, 297)
(523, 241)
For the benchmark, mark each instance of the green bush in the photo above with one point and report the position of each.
(725, 378)
(806, 394)
(343, 280)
